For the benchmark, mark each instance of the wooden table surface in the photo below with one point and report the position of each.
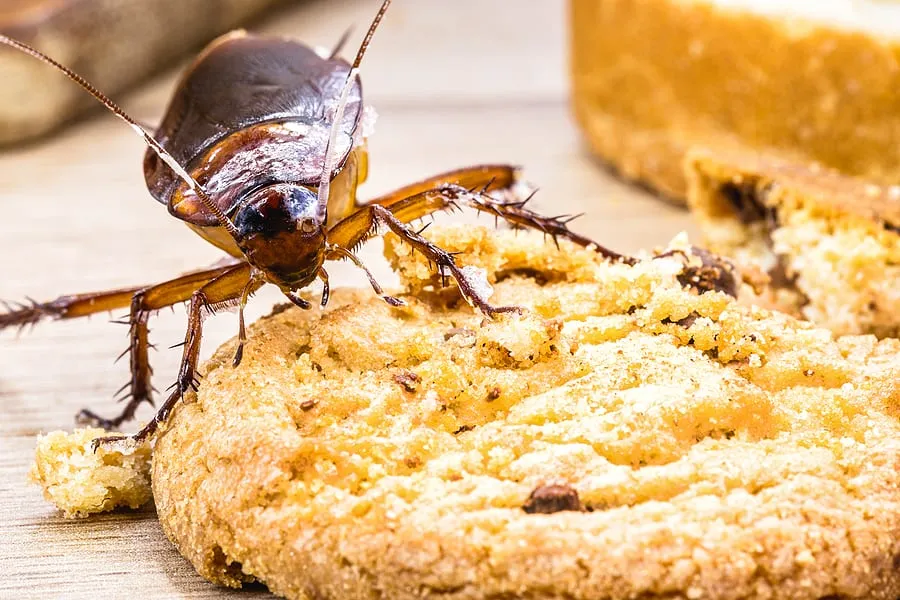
(454, 83)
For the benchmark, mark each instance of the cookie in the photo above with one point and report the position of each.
(814, 81)
(634, 433)
(81, 482)
(830, 243)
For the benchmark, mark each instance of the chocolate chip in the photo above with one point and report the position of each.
(493, 394)
(778, 275)
(463, 429)
(548, 499)
(307, 405)
(714, 273)
(409, 380)
(746, 201)
(685, 322)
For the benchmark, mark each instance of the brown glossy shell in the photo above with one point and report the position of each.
(237, 83)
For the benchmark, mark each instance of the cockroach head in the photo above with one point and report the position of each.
(281, 232)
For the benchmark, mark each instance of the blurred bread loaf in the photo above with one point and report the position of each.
(814, 81)
(111, 43)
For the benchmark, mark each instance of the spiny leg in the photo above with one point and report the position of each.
(492, 178)
(143, 302)
(224, 290)
(23, 314)
(337, 253)
(364, 222)
(253, 284)
(419, 200)
(515, 213)
(486, 178)
(470, 186)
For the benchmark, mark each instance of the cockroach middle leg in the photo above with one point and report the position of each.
(224, 290)
(473, 187)
(143, 302)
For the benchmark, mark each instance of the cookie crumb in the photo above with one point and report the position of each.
(461, 337)
(81, 482)
(552, 498)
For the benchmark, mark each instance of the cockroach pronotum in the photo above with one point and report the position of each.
(260, 152)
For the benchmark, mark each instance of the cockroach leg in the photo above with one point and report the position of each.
(337, 253)
(139, 388)
(23, 314)
(418, 200)
(497, 178)
(224, 290)
(473, 187)
(143, 302)
(516, 214)
(252, 285)
(326, 287)
(369, 217)
(298, 300)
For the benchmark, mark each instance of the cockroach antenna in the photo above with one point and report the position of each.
(167, 158)
(330, 152)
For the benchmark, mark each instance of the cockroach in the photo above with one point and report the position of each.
(260, 152)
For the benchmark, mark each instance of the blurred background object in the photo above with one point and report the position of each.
(805, 80)
(112, 43)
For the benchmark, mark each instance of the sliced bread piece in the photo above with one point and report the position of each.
(830, 243)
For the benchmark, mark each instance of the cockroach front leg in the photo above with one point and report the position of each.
(337, 253)
(253, 284)
(326, 286)
(368, 218)
(224, 290)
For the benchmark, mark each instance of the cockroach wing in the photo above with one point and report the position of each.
(240, 81)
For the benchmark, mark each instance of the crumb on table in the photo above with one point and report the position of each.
(81, 482)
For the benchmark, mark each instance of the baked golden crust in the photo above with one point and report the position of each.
(655, 78)
(833, 240)
(625, 437)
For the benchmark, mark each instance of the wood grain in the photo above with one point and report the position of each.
(481, 81)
